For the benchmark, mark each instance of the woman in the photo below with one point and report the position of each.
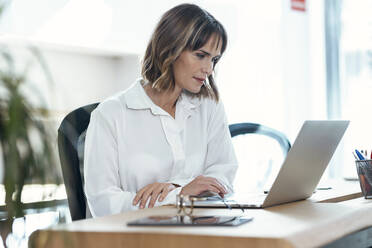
(167, 134)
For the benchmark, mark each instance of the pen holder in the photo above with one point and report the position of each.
(364, 169)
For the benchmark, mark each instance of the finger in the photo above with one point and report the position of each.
(206, 183)
(137, 198)
(139, 195)
(165, 192)
(213, 188)
(154, 196)
(220, 187)
(145, 197)
(217, 184)
(222, 194)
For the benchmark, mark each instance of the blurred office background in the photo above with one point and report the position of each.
(287, 61)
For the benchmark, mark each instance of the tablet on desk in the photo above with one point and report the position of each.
(177, 220)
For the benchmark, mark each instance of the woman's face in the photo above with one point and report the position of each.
(193, 67)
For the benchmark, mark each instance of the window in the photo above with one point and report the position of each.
(355, 63)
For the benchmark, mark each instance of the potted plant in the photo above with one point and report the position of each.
(25, 144)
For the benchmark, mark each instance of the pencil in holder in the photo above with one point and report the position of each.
(364, 169)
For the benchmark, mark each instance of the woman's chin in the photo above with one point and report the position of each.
(195, 90)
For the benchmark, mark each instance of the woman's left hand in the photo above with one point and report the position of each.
(153, 190)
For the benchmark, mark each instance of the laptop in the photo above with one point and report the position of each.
(300, 173)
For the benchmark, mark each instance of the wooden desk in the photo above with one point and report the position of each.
(310, 223)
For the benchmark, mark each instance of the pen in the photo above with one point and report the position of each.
(364, 153)
(355, 156)
(324, 188)
(360, 156)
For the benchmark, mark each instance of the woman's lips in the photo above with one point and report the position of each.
(200, 80)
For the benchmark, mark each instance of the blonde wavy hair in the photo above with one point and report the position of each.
(184, 27)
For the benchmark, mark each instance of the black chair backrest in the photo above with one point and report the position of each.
(72, 126)
(247, 127)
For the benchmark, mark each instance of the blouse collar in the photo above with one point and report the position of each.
(137, 98)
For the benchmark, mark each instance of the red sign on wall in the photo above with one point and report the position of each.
(299, 5)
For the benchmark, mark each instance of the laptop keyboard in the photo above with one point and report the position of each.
(246, 199)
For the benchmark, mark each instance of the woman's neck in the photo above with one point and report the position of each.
(165, 100)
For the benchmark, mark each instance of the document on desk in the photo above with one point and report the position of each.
(185, 220)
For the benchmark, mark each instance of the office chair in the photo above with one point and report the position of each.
(69, 139)
(247, 128)
(259, 149)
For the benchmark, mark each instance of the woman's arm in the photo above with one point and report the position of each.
(103, 187)
(101, 173)
(221, 162)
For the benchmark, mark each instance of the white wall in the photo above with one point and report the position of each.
(80, 75)
(83, 78)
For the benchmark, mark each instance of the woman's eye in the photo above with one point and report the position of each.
(200, 56)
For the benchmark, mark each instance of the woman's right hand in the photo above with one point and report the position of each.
(201, 184)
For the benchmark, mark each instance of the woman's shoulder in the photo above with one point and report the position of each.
(111, 106)
(115, 105)
(203, 106)
(199, 102)
(210, 104)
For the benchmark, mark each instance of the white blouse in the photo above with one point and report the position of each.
(131, 142)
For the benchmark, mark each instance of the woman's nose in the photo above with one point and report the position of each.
(208, 67)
